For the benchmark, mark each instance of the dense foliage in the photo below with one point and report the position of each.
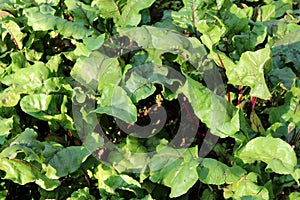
(213, 87)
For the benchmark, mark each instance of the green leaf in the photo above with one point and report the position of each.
(41, 106)
(175, 168)
(211, 109)
(130, 13)
(246, 187)
(27, 80)
(236, 20)
(214, 172)
(249, 71)
(276, 9)
(108, 8)
(110, 182)
(37, 20)
(286, 112)
(256, 123)
(26, 143)
(66, 161)
(284, 76)
(115, 102)
(249, 40)
(5, 127)
(132, 156)
(15, 32)
(81, 12)
(97, 71)
(278, 154)
(22, 172)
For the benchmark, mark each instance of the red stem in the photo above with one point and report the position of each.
(240, 95)
(253, 101)
(194, 20)
(223, 66)
(295, 110)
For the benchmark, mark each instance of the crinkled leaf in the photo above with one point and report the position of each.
(246, 187)
(9, 98)
(131, 156)
(249, 71)
(26, 143)
(278, 154)
(108, 8)
(37, 20)
(41, 106)
(214, 172)
(250, 39)
(115, 102)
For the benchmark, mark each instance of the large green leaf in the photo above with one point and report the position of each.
(109, 181)
(222, 119)
(175, 168)
(66, 161)
(22, 172)
(214, 172)
(127, 14)
(278, 154)
(96, 71)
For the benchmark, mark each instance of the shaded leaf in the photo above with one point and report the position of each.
(66, 161)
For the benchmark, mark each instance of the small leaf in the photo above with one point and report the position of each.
(5, 126)
(81, 194)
